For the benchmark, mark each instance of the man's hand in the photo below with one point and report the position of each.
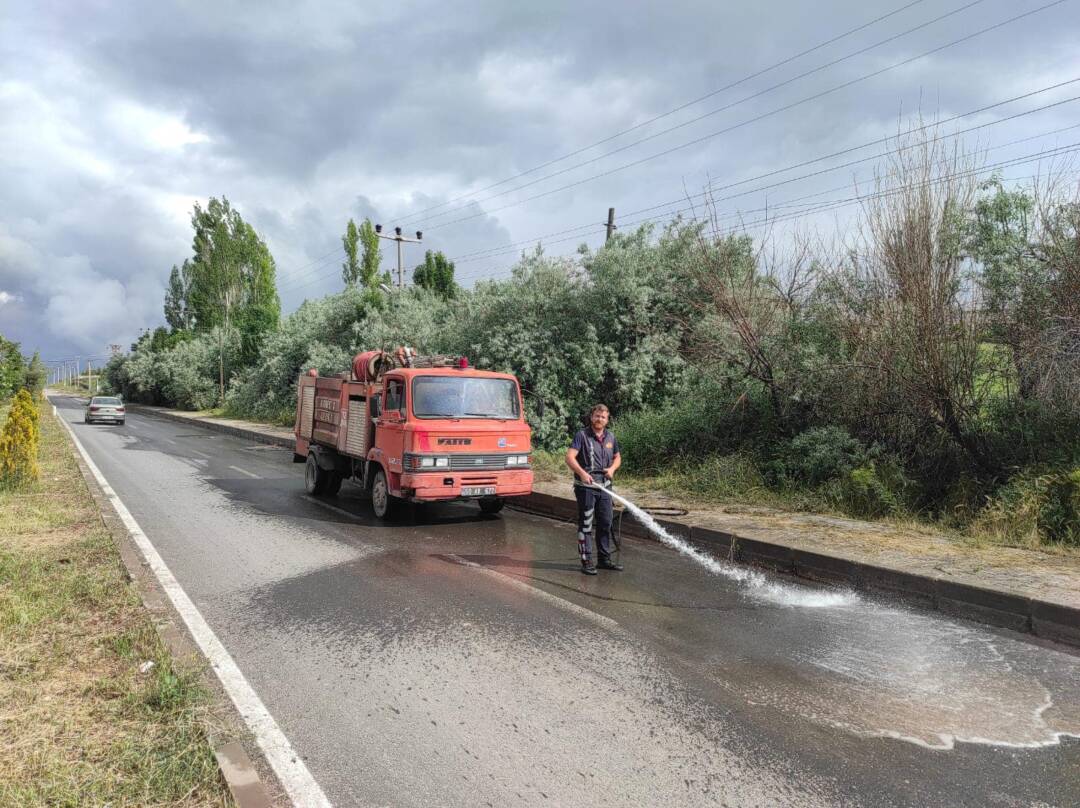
(587, 478)
(609, 472)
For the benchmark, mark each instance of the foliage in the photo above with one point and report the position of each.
(372, 256)
(228, 285)
(178, 313)
(436, 274)
(319, 334)
(12, 368)
(819, 455)
(34, 376)
(19, 443)
(351, 270)
(179, 373)
(1035, 505)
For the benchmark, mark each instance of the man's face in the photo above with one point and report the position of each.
(599, 420)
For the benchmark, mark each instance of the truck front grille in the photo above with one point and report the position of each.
(463, 462)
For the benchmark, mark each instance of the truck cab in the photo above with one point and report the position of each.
(415, 430)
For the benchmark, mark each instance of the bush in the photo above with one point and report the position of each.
(19, 443)
(1059, 509)
(820, 455)
(1034, 507)
(870, 491)
(699, 419)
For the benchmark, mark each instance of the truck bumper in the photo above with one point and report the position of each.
(437, 486)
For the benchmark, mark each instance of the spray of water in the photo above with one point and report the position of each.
(757, 584)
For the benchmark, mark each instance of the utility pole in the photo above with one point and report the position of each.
(610, 224)
(399, 239)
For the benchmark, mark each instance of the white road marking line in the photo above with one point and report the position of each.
(286, 763)
(129, 425)
(244, 471)
(555, 600)
(170, 440)
(201, 454)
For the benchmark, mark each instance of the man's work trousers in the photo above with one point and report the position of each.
(594, 513)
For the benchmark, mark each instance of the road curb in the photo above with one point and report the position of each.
(237, 769)
(1053, 621)
(214, 426)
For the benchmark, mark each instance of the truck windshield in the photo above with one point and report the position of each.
(468, 397)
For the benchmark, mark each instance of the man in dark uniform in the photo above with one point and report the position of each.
(594, 458)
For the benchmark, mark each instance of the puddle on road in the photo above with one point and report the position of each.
(899, 674)
(886, 672)
(757, 584)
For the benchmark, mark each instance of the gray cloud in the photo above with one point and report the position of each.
(115, 118)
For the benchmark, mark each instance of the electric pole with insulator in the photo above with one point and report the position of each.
(399, 239)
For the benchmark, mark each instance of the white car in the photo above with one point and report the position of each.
(105, 408)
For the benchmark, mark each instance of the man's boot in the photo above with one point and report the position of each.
(607, 564)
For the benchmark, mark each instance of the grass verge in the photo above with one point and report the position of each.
(85, 720)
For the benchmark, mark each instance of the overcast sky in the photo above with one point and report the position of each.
(116, 117)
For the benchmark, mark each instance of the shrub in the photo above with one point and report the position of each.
(820, 455)
(19, 443)
(1033, 508)
(1059, 508)
(871, 490)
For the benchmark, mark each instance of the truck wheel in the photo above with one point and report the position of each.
(381, 500)
(492, 505)
(314, 477)
(333, 482)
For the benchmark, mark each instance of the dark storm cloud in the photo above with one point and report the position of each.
(115, 118)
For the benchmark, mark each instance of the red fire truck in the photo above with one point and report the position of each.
(418, 429)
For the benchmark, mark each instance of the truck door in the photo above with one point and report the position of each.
(390, 434)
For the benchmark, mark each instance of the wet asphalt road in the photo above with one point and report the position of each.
(454, 659)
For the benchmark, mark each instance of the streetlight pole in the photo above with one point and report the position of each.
(399, 239)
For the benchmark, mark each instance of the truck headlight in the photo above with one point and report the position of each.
(427, 462)
(511, 460)
(442, 462)
(523, 460)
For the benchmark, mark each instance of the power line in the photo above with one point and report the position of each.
(848, 150)
(838, 203)
(510, 248)
(723, 108)
(663, 115)
(776, 111)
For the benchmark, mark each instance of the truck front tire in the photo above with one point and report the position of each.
(491, 505)
(382, 502)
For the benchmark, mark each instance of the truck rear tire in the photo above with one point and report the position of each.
(491, 505)
(382, 502)
(315, 479)
(333, 482)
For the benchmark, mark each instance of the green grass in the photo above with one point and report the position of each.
(81, 725)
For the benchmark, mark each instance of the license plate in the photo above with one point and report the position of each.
(478, 491)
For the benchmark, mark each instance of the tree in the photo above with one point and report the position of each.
(19, 444)
(351, 270)
(34, 376)
(372, 255)
(11, 368)
(437, 275)
(232, 281)
(178, 313)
